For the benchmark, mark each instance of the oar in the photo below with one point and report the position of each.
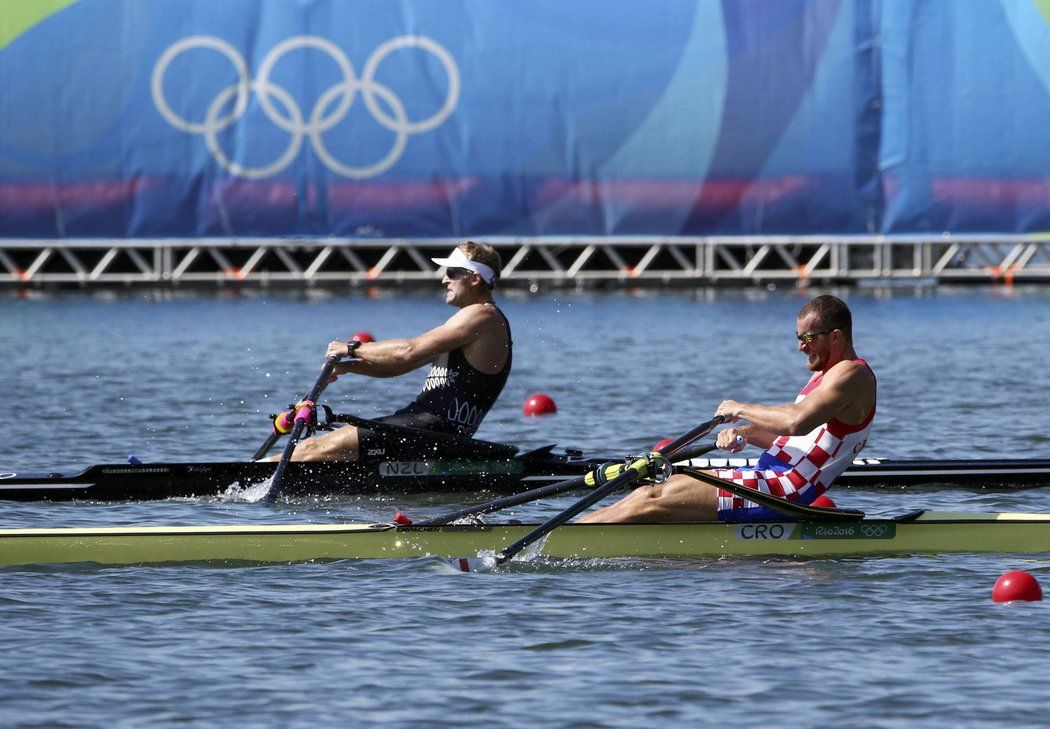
(784, 506)
(274, 436)
(553, 489)
(303, 413)
(637, 470)
(282, 424)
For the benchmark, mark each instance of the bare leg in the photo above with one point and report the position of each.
(679, 499)
(341, 444)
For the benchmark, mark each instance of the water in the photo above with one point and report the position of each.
(93, 378)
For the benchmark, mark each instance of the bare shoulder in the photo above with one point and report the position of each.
(851, 374)
(476, 314)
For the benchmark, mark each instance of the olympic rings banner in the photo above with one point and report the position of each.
(374, 118)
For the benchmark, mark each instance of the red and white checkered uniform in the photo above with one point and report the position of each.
(812, 462)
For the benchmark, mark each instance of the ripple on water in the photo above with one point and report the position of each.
(562, 642)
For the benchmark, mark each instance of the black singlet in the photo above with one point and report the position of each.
(455, 396)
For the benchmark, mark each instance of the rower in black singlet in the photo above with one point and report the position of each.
(455, 397)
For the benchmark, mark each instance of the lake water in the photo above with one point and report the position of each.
(89, 378)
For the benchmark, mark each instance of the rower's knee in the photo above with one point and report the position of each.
(644, 502)
(339, 445)
(648, 498)
(673, 500)
(309, 450)
(645, 494)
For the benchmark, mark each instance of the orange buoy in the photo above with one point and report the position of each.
(539, 404)
(1017, 585)
(824, 502)
(362, 337)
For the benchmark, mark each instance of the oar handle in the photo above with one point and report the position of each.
(671, 449)
(694, 451)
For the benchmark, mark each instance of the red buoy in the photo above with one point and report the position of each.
(539, 404)
(362, 337)
(1017, 585)
(401, 519)
(824, 502)
(662, 443)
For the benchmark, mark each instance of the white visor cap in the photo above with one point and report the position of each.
(458, 259)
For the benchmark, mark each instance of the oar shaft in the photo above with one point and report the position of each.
(682, 441)
(556, 521)
(322, 380)
(286, 458)
(638, 469)
(506, 502)
(265, 447)
(554, 489)
(789, 508)
(302, 418)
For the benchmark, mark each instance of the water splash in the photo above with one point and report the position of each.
(249, 493)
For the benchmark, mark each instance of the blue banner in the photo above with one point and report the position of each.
(381, 118)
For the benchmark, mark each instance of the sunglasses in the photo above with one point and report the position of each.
(457, 273)
(808, 337)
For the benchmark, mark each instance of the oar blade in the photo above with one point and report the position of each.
(484, 563)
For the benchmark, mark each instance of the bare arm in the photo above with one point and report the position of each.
(840, 386)
(752, 435)
(393, 357)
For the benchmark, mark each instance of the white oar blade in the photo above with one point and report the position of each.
(472, 564)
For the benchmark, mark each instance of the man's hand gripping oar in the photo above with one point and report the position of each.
(656, 464)
(302, 418)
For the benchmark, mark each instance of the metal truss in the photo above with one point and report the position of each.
(561, 261)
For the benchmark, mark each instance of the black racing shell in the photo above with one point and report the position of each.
(459, 395)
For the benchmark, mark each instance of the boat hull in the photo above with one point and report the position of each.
(500, 472)
(155, 481)
(926, 534)
(399, 460)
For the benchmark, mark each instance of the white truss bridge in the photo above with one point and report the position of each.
(543, 260)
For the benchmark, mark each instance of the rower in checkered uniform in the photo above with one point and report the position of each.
(807, 443)
(798, 467)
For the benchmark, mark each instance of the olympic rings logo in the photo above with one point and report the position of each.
(874, 530)
(330, 109)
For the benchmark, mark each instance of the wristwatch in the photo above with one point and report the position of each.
(351, 346)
